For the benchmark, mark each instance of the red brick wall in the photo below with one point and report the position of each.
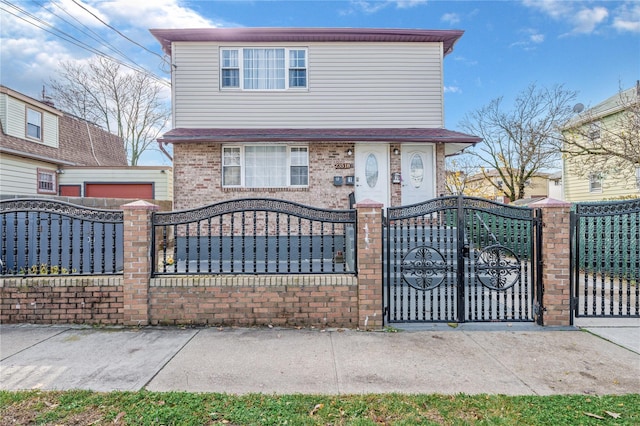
(556, 260)
(198, 174)
(255, 300)
(69, 300)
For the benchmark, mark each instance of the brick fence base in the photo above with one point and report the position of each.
(247, 300)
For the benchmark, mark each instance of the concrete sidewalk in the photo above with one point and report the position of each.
(518, 361)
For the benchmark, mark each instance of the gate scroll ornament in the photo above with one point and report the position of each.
(424, 268)
(498, 267)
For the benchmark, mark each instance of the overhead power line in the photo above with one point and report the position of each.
(37, 22)
(117, 31)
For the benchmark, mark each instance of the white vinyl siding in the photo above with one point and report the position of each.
(19, 176)
(14, 122)
(349, 85)
(577, 186)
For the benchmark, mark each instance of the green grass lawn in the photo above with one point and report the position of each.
(182, 408)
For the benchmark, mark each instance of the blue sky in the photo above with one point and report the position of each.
(592, 47)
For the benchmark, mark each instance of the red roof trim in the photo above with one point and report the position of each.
(181, 135)
(283, 35)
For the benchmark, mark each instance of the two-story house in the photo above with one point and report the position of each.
(609, 129)
(310, 115)
(47, 152)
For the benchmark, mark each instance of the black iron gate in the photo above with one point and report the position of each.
(461, 259)
(605, 259)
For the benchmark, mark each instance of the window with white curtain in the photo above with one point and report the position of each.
(265, 166)
(263, 68)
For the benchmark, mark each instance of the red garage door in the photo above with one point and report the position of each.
(137, 191)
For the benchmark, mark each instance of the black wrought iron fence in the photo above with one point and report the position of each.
(45, 237)
(606, 259)
(254, 236)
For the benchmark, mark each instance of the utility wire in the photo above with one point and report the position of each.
(117, 31)
(41, 24)
(89, 33)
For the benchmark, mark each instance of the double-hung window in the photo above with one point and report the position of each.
(595, 182)
(265, 166)
(47, 182)
(263, 68)
(34, 124)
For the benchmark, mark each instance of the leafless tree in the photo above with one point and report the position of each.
(521, 141)
(606, 139)
(459, 169)
(127, 103)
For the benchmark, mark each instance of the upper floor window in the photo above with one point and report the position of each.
(265, 166)
(34, 124)
(47, 182)
(263, 68)
(594, 131)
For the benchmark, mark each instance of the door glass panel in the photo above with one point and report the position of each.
(371, 170)
(417, 171)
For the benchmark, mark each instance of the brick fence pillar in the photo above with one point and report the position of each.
(137, 261)
(556, 244)
(369, 254)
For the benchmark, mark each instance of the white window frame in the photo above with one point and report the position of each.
(243, 169)
(29, 122)
(638, 177)
(239, 66)
(595, 130)
(46, 181)
(595, 183)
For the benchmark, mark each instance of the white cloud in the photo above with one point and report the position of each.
(405, 4)
(537, 38)
(30, 55)
(581, 18)
(586, 20)
(533, 38)
(450, 18)
(465, 61)
(627, 18)
(374, 6)
(83, 12)
(155, 14)
(452, 89)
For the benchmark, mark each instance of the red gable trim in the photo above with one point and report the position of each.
(283, 35)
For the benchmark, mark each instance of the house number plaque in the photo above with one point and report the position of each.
(344, 165)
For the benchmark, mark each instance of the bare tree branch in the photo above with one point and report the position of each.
(520, 142)
(606, 138)
(126, 103)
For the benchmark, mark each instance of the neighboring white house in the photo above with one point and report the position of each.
(310, 115)
(46, 152)
(611, 123)
(555, 186)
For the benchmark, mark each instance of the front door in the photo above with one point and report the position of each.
(372, 172)
(418, 174)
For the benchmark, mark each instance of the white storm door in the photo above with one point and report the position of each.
(418, 174)
(372, 173)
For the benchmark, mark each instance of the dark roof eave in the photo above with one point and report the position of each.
(283, 35)
(454, 137)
